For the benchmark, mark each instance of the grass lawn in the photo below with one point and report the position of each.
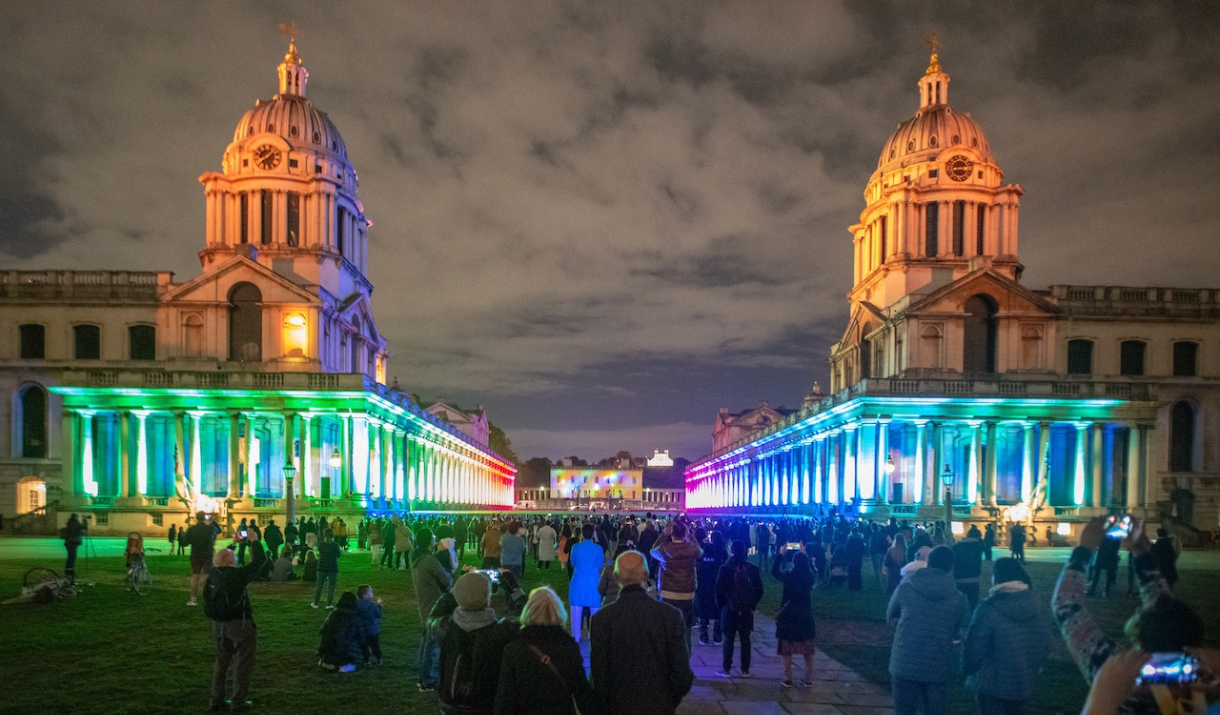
(108, 650)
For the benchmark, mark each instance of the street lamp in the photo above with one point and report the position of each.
(335, 462)
(947, 478)
(889, 466)
(290, 473)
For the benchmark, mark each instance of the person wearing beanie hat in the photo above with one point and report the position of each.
(431, 581)
(472, 641)
(1007, 641)
(930, 613)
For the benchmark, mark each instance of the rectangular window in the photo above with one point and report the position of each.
(931, 227)
(245, 218)
(1131, 357)
(158, 519)
(33, 342)
(142, 342)
(87, 341)
(980, 246)
(341, 230)
(1185, 359)
(884, 240)
(1080, 357)
(265, 236)
(294, 218)
(959, 228)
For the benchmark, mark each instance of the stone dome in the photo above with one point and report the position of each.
(295, 119)
(933, 130)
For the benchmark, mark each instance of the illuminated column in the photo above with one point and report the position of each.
(411, 466)
(346, 458)
(851, 471)
(400, 467)
(306, 474)
(1028, 462)
(1133, 466)
(141, 451)
(989, 465)
(87, 464)
(1078, 463)
(972, 481)
(387, 476)
(125, 454)
(800, 477)
(180, 449)
(234, 455)
(1098, 463)
(783, 461)
(69, 424)
(881, 479)
(251, 474)
(1043, 466)
(289, 444)
(938, 438)
(196, 453)
(819, 474)
(832, 467)
(918, 479)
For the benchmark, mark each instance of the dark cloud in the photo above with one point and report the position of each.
(31, 215)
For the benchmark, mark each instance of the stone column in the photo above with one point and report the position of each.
(250, 486)
(1044, 471)
(851, 462)
(387, 464)
(881, 478)
(141, 452)
(1079, 463)
(196, 453)
(180, 446)
(69, 426)
(1029, 461)
(235, 455)
(973, 478)
(938, 438)
(1098, 461)
(990, 486)
(306, 475)
(345, 457)
(124, 451)
(919, 480)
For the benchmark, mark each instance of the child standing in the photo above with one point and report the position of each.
(370, 615)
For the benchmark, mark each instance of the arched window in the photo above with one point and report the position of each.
(87, 342)
(1131, 357)
(192, 335)
(979, 339)
(33, 341)
(245, 323)
(31, 494)
(1080, 357)
(142, 342)
(1182, 437)
(32, 404)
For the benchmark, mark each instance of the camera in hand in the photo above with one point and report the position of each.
(1119, 529)
(243, 534)
(1169, 668)
(793, 545)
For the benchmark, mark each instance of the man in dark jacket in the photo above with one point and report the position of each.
(431, 580)
(1007, 641)
(290, 534)
(472, 642)
(203, 543)
(706, 574)
(274, 538)
(676, 557)
(967, 565)
(638, 660)
(929, 613)
(737, 602)
(227, 604)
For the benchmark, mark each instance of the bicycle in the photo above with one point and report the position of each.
(139, 578)
(42, 585)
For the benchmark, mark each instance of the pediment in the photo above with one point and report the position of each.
(862, 314)
(1011, 297)
(215, 285)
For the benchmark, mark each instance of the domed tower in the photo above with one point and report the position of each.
(937, 205)
(287, 192)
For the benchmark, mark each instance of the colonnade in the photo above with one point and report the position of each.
(234, 454)
(861, 461)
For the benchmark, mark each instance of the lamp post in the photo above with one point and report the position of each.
(947, 478)
(290, 473)
(335, 462)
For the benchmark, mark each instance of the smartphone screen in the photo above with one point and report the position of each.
(1172, 668)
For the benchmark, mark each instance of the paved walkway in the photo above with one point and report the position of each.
(837, 690)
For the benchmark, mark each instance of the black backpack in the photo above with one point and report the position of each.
(743, 596)
(218, 602)
(457, 688)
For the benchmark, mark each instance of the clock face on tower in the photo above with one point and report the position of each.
(267, 157)
(958, 167)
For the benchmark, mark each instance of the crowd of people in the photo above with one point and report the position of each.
(640, 589)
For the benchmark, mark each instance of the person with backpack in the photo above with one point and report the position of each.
(430, 581)
(795, 628)
(328, 570)
(542, 672)
(472, 642)
(739, 588)
(227, 603)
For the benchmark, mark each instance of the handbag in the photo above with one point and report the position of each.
(546, 660)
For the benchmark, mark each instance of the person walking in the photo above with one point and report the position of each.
(389, 535)
(929, 613)
(739, 588)
(546, 545)
(1006, 643)
(795, 628)
(676, 556)
(587, 558)
(227, 603)
(638, 661)
(73, 535)
(543, 672)
(328, 570)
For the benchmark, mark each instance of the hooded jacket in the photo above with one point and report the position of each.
(1007, 641)
(930, 612)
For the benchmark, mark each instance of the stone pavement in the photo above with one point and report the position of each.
(837, 690)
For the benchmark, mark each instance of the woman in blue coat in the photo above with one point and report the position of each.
(586, 562)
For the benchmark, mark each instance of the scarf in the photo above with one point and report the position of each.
(473, 620)
(1009, 587)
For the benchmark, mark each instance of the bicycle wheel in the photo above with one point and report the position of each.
(141, 580)
(37, 576)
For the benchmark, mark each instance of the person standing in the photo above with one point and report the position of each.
(1166, 549)
(637, 656)
(1007, 642)
(389, 535)
(546, 545)
(328, 570)
(676, 557)
(1016, 542)
(460, 534)
(739, 588)
(73, 535)
(587, 559)
(988, 541)
(1105, 563)
(706, 573)
(202, 539)
(512, 550)
(929, 613)
(227, 603)
(172, 537)
(290, 534)
(968, 565)
(795, 628)
(472, 647)
(274, 538)
(430, 581)
(491, 546)
(542, 672)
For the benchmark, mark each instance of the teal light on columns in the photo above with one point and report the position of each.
(1078, 473)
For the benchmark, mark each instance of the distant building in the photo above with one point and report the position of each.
(473, 424)
(660, 459)
(955, 385)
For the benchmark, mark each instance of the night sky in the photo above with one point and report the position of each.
(606, 220)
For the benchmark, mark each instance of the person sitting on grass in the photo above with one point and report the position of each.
(311, 567)
(342, 636)
(282, 569)
(370, 614)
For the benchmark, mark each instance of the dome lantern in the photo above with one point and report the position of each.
(293, 74)
(934, 85)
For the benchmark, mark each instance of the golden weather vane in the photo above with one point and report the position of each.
(290, 30)
(933, 42)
